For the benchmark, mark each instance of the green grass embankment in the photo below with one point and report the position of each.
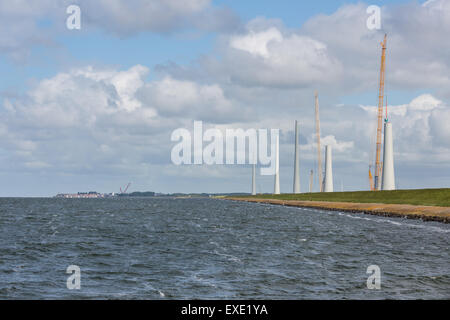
(423, 197)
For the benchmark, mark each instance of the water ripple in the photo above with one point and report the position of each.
(159, 248)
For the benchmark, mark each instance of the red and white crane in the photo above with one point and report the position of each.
(126, 188)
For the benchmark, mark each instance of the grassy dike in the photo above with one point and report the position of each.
(425, 204)
(423, 197)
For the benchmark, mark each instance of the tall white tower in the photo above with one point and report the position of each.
(388, 178)
(277, 166)
(296, 188)
(328, 184)
(254, 180)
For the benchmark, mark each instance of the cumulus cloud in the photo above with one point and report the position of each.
(261, 76)
(111, 119)
(130, 17)
(114, 122)
(77, 97)
(265, 63)
(38, 23)
(20, 30)
(420, 130)
(336, 52)
(256, 42)
(417, 45)
(177, 98)
(338, 146)
(267, 55)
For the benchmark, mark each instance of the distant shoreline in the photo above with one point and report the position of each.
(425, 213)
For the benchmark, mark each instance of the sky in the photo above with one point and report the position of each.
(94, 108)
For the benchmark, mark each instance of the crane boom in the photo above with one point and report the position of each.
(125, 189)
(377, 180)
(319, 155)
(371, 179)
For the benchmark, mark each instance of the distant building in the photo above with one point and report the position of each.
(90, 195)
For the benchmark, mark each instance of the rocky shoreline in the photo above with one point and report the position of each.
(425, 213)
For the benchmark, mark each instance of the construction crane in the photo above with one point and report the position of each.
(319, 155)
(126, 188)
(371, 178)
(376, 184)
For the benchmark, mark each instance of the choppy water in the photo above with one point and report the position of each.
(214, 249)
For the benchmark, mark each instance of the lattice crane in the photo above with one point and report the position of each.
(376, 183)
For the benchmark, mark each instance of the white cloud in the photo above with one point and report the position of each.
(256, 42)
(416, 47)
(338, 146)
(188, 99)
(90, 119)
(336, 53)
(420, 130)
(425, 102)
(19, 31)
(22, 30)
(116, 122)
(267, 55)
(79, 96)
(134, 16)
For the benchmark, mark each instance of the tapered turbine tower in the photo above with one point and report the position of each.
(328, 183)
(388, 181)
(254, 180)
(296, 188)
(277, 166)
